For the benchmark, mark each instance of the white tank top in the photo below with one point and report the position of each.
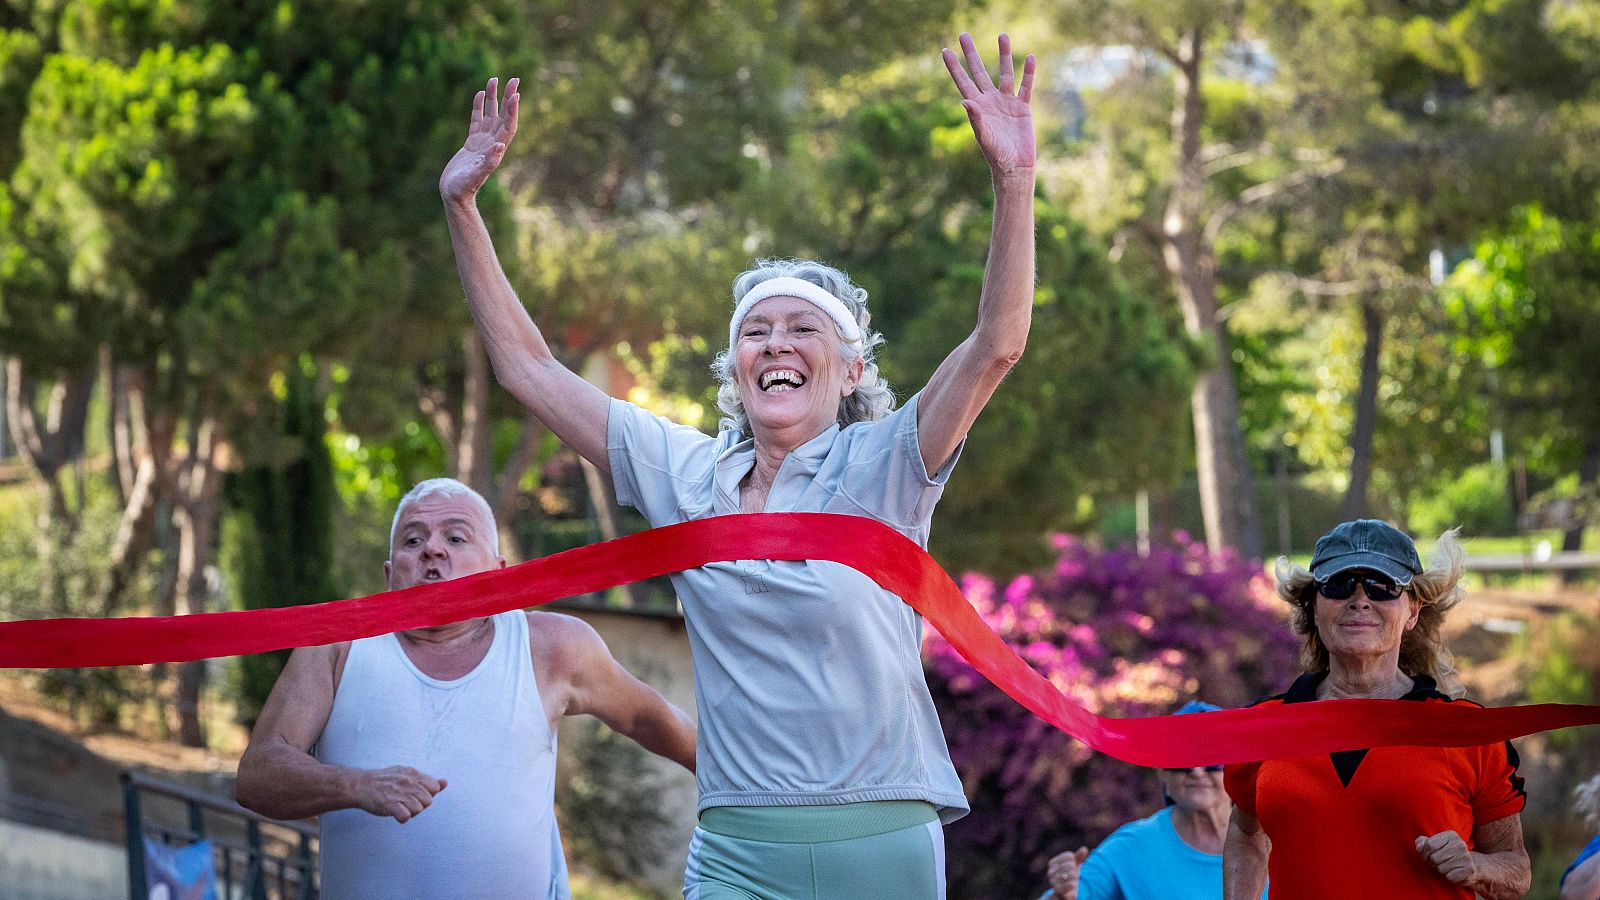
(491, 833)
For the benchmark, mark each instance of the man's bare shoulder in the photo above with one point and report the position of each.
(323, 659)
(564, 642)
(556, 630)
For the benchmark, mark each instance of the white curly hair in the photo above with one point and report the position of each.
(871, 400)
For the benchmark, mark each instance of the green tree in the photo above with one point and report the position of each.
(277, 543)
(1529, 303)
(213, 194)
(889, 188)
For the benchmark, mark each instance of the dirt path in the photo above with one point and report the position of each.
(57, 768)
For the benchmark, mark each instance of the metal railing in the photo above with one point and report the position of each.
(1535, 561)
(255, 857)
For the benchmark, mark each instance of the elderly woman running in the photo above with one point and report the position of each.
(1391, 821)
(822, 768)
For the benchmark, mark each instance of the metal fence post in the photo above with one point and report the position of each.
(256, 881)
(137, 888)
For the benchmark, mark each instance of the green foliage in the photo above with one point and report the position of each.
(1478, 501)
(611, 811)
(21, 56)
(1528, 304)
(585, 887)
(1564, 668)
(893, 191)
(57, 575)
(278, 526)
(1095, 409)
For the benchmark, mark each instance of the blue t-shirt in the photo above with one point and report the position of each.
(1590, 849)
(1146, 860)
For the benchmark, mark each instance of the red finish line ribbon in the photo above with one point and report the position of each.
(888, 558)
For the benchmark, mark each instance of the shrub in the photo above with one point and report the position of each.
(1477, 501)
(1122, 634)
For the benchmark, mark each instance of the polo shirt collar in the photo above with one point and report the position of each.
(736, 462)
(1305, 688)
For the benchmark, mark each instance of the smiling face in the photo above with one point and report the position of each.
(440, 537)
(1359, 627)
(1196, 789)
(790, 370)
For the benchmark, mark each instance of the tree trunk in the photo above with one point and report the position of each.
(1227, 488)
(195, 514)
(47, 449)
(1366, 421)
(474, 456)
(604, 504)
(129, 437)
(503, 501)
(1589, 499)
(1280, 479)
(6, 447)
(136, 534)
(52, 446)
(140, 450)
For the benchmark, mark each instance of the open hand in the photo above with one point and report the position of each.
(494, 124)
(399, 792)
(1001, 115)
(1448, 853)
(1062, 872)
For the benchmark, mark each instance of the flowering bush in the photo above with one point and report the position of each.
(1123, 635)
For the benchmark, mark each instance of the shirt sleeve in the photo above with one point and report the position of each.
(1499, 790)
(1097, 879)
(653, 460)
(1239, 780)
(1589, 851)
(884, 476)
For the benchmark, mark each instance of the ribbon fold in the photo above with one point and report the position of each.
(893, 561)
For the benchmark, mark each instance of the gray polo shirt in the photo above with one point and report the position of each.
(808, 676)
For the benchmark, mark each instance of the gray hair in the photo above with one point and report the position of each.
(1586, 801)
(870, 401)
(446, 487)
(1422, 650)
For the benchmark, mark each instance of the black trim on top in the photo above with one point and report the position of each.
(1346, 762)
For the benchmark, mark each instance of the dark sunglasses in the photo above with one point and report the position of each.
(1343, 585)
(1215, 768)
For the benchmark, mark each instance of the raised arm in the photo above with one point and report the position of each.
(279, 777)
(1002, 119)
(566, 404)
(575, 661)
(1244, 857)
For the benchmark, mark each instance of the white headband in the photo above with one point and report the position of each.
(805, 290)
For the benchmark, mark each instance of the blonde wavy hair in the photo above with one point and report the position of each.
(1422, 649)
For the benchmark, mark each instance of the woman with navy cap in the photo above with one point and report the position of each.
(822, 769)
(1390, 821)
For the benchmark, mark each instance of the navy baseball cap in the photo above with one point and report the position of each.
(1366, 544)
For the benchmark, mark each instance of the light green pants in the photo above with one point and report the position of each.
(889, 850)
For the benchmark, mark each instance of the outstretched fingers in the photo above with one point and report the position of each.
(477, 112)
(508, 110)
(1007, 73)
(952, 63)
(1025, 92)
(494, 115)
(980, 75)
(978, 83)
